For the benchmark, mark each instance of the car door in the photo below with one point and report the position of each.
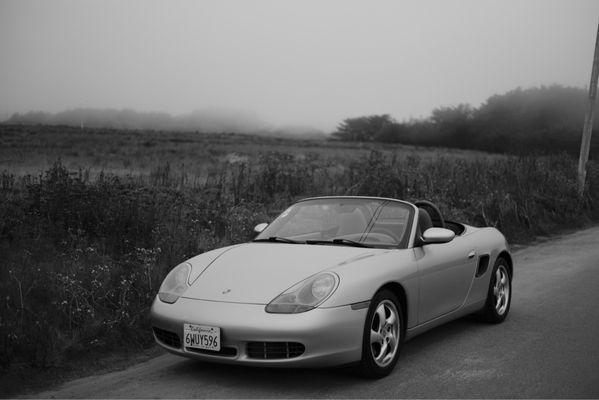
(445, 274)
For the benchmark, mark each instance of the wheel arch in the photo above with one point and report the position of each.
(510, 264)
(397, 289)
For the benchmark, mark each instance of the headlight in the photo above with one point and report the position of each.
(306, 295)
(175, 283)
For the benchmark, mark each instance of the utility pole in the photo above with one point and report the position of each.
(588, 121)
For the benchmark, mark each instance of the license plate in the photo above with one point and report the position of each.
(202, 337)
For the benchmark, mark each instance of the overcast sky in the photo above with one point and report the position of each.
(309, 62)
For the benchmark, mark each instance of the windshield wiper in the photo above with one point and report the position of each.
(346, 242)
(349, 242)
(278, 239)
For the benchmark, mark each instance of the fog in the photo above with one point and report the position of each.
(307, 62)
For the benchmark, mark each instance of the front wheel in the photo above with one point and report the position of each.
(499, 296)
(383, 335)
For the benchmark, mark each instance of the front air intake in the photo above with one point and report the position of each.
(223, 352)
(167, 337)
(274, 350)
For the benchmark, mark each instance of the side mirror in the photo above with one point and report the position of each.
(437, 235)
(260, 227)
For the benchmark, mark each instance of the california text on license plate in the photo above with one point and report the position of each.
(202, 337)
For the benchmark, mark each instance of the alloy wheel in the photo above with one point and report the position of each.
(501, 290)
(384, 333)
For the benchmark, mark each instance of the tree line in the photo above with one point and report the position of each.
(207, 120)
(546, 119)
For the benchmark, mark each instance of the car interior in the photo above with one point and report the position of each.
(353, 225)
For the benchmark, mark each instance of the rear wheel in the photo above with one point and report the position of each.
(383, 335)
(499, 296)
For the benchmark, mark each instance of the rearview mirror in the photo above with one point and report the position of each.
(437, 235)
(260, 227)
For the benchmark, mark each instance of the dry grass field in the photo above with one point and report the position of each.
(31, 149)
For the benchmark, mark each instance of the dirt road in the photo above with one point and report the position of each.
(548, 347)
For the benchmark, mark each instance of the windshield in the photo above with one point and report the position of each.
(365, 222)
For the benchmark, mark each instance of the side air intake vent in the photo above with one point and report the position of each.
(483, 264)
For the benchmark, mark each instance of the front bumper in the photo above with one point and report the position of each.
(331, 336)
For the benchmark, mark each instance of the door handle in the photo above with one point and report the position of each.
(471, 254)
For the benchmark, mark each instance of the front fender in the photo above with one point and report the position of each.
(359, 281)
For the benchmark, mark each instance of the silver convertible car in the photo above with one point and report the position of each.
(333, 281)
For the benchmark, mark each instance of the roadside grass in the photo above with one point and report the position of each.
(83, 253)
(23, 380)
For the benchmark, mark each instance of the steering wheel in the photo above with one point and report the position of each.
(433, 211)
(381, 237)
(385, 232)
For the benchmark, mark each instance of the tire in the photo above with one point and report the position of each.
(379, 357)
(499, 296)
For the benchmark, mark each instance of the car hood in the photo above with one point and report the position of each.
(259, 272)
